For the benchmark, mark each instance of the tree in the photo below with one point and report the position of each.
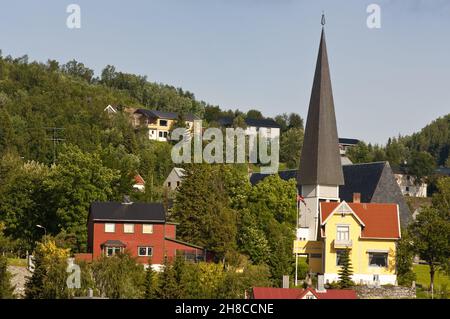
(254, 114)
(421, 165)
(168, 284)
(203, 210)
(346, 270)
(150, 291)
(48, 280)
(295, 121)
(290, 147)
(74, 183)
(430, 234)
(404, 259)
(359, 153)
(119, 277)
(78, 69)
(6, 289)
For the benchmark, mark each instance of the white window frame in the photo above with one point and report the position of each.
(147, 225)
(148, 251)
(113, 225)
(339, 232)
(129, 231)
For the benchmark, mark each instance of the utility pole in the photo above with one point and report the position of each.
(55, 138)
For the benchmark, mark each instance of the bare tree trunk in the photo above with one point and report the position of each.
(432, 280)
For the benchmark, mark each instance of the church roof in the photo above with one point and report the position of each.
(320, 160)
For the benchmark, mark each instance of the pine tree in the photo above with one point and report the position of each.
(149, 283)
(6, 289)
(346, 271)
(168, 286)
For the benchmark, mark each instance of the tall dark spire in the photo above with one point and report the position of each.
(320, 162)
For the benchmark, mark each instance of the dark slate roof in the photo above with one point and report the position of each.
(320, 160)
(137, 212)
(443, 171)
(113, 243)
(165, 115)
(228, 121)
(348, 141)
(361, 178)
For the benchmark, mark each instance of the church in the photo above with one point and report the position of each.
(358, 208)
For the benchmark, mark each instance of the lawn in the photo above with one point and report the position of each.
(441, 281)
(17, 262)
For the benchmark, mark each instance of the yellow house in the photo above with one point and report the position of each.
(160, 123)
(369, 231)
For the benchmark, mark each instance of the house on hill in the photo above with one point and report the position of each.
(408, 184)
(139, 228)
(174, 178)
(159, 123)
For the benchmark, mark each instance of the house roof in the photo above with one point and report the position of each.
(137, 212)
(320, 159)
(379, 220)
(179, 171)
(348, 141)
(183, 243)
(139, 180)
(165, 115)
(269, 123)
(297, 293)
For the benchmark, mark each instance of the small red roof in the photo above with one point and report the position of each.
(139, 180)
(380, 220)
(297, 293)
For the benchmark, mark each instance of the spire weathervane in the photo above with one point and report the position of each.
(323, 19)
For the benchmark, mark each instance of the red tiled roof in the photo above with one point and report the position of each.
(380, 220)
(139, 180)
(296, 293)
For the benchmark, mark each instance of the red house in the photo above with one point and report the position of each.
(139, 228)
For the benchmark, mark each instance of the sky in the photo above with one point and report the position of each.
(259, 53)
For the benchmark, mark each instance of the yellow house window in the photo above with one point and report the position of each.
(162, 122)
(378, 259)
(343, 233)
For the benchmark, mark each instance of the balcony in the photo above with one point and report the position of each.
(343, 243)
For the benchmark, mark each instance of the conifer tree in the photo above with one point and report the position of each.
(149, 283)
(346, 271)
(168, 286)
(6, 289)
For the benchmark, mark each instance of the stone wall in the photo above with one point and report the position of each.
(385, 292)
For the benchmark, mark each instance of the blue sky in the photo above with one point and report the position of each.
(259, 53)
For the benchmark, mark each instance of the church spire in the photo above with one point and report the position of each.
(320, 162)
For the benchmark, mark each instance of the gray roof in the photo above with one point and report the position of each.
(165, 115)
(320, 160)
(137, 212)
(228, 121)
(113, 243)
(375, 182)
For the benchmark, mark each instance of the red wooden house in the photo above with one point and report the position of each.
(139, 228)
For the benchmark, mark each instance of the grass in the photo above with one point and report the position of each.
(441, 281)
(17, 262)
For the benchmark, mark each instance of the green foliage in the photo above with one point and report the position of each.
(150, 285)
(119, 277)
(203, 210)
(404, 259)
(48, 280)
(6, 289)
(346, 271)
(290, 147)
(421, 165)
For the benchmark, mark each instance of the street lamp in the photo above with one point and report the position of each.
(45, 229)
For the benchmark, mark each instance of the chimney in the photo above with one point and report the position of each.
(285, 281)
(356, 197)
(127, 200)
(321, 283)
